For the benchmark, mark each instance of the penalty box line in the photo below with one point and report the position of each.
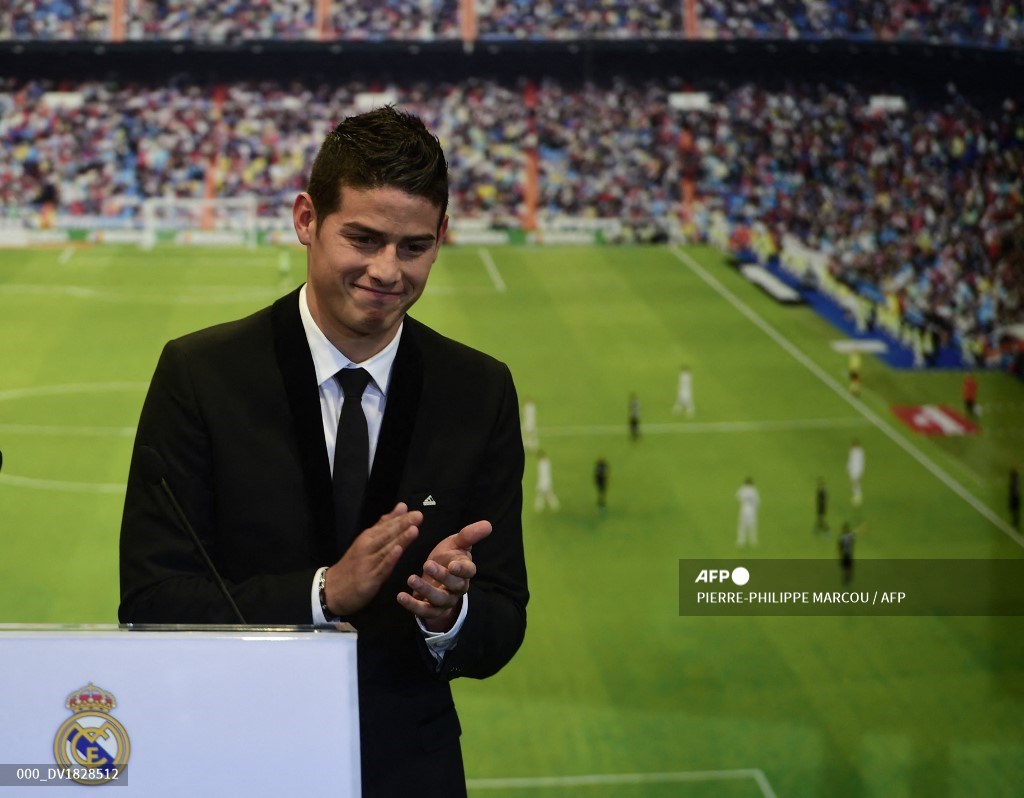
(492, 270)
(606, 779)
(697, 427)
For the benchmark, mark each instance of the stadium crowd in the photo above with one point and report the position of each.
(291, 20)
(421, 20)
(219, 21)
(608, 151)
(99, 149)
(579, 19)
(974, 22)
(921, 205)
(63, 20)
(988, 23)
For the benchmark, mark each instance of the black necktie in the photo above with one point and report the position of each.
(351, 455)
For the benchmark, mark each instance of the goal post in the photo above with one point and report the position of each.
(226, 221)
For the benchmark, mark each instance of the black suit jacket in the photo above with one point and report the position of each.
(234, 411)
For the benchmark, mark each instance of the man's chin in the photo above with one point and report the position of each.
(380, 322)
(381, 316)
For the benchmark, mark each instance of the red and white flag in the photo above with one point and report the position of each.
(935, 420)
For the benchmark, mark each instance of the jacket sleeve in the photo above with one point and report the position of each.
(163, 577)
(496, 622)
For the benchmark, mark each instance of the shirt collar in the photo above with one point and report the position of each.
(328, 360)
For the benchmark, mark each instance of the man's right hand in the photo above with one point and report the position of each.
(355, 579)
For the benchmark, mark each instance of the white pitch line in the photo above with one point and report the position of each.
(448, 290)
(82, 292)
(707, 427)
(56, 430)
(72, 388)
(492, 270)
(52, 484)
(64, 390)
(66, 254)
(602, 779)
(840, 391)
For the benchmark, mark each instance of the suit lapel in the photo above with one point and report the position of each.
(296, 365)
(397, 427)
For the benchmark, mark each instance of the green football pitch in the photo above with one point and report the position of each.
(614, 693)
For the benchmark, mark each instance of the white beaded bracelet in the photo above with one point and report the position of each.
(328, 615)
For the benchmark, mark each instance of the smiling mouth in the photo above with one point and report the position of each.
(377, 292)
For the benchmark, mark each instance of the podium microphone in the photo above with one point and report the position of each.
(154, 471)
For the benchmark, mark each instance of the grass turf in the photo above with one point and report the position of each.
(611, 684)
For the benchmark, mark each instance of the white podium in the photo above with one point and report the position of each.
(175, 710)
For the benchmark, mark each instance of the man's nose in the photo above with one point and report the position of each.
(384, 266)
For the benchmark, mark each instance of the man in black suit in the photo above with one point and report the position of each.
(428, 564)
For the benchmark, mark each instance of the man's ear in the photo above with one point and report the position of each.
(304, 218)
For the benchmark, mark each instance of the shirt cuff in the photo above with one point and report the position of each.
(314, 599)
(438, 643)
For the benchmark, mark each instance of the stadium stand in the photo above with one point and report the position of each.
(979, 23)
(973, 23)
(911, 199)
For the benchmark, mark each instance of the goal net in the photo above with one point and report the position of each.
(228, 221)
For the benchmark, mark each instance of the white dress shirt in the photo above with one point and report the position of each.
(328, 361)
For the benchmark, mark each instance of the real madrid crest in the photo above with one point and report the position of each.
(92, 744)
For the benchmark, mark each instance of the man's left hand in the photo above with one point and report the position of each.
(436, 594)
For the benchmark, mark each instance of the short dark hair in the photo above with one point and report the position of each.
(380, 148)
